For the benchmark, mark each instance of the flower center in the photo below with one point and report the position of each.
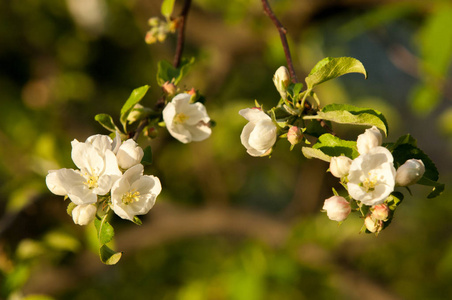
(369, 183)
(91, 181)
(130, 197)
(180, 118)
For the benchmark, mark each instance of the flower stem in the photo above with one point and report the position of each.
(282, 34)
(182, 18)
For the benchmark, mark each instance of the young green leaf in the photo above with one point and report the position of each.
(106, 121)
(137, 220)
(309, 152)
(166, 72)
(147, 156)
(167, 8)
(70, 208)
(105, 231)
(135, 97)
(330, 68)
(333, 146)
(109, 256)
(349, 114)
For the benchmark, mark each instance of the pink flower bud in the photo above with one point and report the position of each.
(294, 135)
(380, 212)
(340, 166)
(372, 224)
(169, 88)
(410, 172)
(337, 208)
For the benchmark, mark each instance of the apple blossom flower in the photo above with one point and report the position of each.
(98, 170)
(129, 154)
(84, 214)
(372, 224)
(134, 193)
(371, 138)
(340, 166)
(281, 79)
(372, 176)
(294, 135)
(259, 135)
(410, 172)
(380, 212)
(186, 121)
(337, 208)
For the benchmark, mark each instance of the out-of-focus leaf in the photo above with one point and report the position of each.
(331, 67)
(61, 240)
(147, 156)
(166, 71)
(109, 256)
(167, 8)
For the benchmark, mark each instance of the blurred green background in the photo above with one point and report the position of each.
(227, 225)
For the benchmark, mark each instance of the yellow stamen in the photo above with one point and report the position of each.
(91, 182)
(369, 183)
(130, 197)
(180, 118)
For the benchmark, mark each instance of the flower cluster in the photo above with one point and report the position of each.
(109, 172)
(159, 30)
(370, 179)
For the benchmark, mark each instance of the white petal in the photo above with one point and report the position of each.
(60, 181)
(263, 136)
(254, 114)
(100, 142)
(86, 157)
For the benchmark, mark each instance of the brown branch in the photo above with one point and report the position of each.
(282, 34)
(181, 34)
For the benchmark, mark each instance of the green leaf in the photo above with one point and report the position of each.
(404, 139)
(70, 208)
(334, 146)
(393, 202)
(147, 156)
(135, 97)
(105, 231)
(137, 220)
(106, 121)
(330, 68)
(166, 71)
(109, 256)
(314, 128)
(438, 188)
(167, 8)
(309, 152)
(349, 114)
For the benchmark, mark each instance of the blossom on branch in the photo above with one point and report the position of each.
(372, 176)
(134, 193)
(410, 172)
(259, 135)
(337, 208)
(186, 121)
(98, 170)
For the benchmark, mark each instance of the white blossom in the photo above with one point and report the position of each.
(129, 154)
(410, 172)
(372, 176)
(134, 193)
(84, 214)
(380, 212)
(371, 138)
(259, 135)
(281, 79)
(340, 166)
(337, 208)
(186, 121)
(98, 169)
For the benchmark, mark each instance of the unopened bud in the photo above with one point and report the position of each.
(371, 138)
(410, 172)
(372, 224)
(380, 212)
(294, 135)
(337, 208)
(151, 132)
(340, 166)
(129, 154)
(150, 38)
(138, 112)
(84, 214)
(169, 88)
(281, 79)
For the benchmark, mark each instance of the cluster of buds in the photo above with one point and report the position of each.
(159, 30)
(370, 179)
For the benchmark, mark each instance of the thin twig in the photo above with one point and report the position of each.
(282, 34)
(181, 19)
